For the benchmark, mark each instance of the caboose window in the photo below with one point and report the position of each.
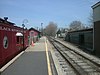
(17, 39)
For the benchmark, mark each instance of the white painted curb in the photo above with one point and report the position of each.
(10, 62)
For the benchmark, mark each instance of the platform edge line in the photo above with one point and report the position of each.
(48, 60)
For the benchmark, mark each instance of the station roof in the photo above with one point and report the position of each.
(96, 5)
(90, 29)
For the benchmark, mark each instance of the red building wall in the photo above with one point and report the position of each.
(0, 47)
(33, 33)
(26, 38)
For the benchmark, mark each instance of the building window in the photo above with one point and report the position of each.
(32, 33)
(17, 39)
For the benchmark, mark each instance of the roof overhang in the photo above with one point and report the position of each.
(96, 5)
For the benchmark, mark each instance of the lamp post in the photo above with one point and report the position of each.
(23, 35)
(25, 21)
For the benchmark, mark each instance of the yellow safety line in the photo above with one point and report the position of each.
(48, 61)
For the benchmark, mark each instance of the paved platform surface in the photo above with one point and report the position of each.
(32, 62)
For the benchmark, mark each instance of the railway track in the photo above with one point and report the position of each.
(77, 63)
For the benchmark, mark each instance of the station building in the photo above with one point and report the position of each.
(96, 20)
(34, 35)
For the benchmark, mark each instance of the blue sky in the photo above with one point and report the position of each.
(62, 12)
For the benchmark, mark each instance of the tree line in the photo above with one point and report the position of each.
(51, 29)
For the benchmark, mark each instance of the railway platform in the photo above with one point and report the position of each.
(42, 58)
(33, 61)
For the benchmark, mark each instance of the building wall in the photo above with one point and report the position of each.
(33, 36)
(0, 48)
(26, 38)
(96, 14)
(96, 17)
(82, 38)
(7, 43)
(97, 37)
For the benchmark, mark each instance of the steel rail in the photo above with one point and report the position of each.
(97, 64)
(76, 70)
(68, 59)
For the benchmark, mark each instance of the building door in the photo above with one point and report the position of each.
(81, 39)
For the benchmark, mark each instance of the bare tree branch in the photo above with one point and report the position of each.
(90, 20)
(51, 29)
(76, 25)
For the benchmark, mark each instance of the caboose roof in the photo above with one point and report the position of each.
(3, 21)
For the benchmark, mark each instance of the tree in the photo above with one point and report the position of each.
(76, 25)
(62, 30)
(90, 20)
(59, 31)
(51, 29)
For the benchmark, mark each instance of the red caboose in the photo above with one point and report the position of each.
(11, 40)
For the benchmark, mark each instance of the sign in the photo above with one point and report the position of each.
(5, 42)
(10, 29)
